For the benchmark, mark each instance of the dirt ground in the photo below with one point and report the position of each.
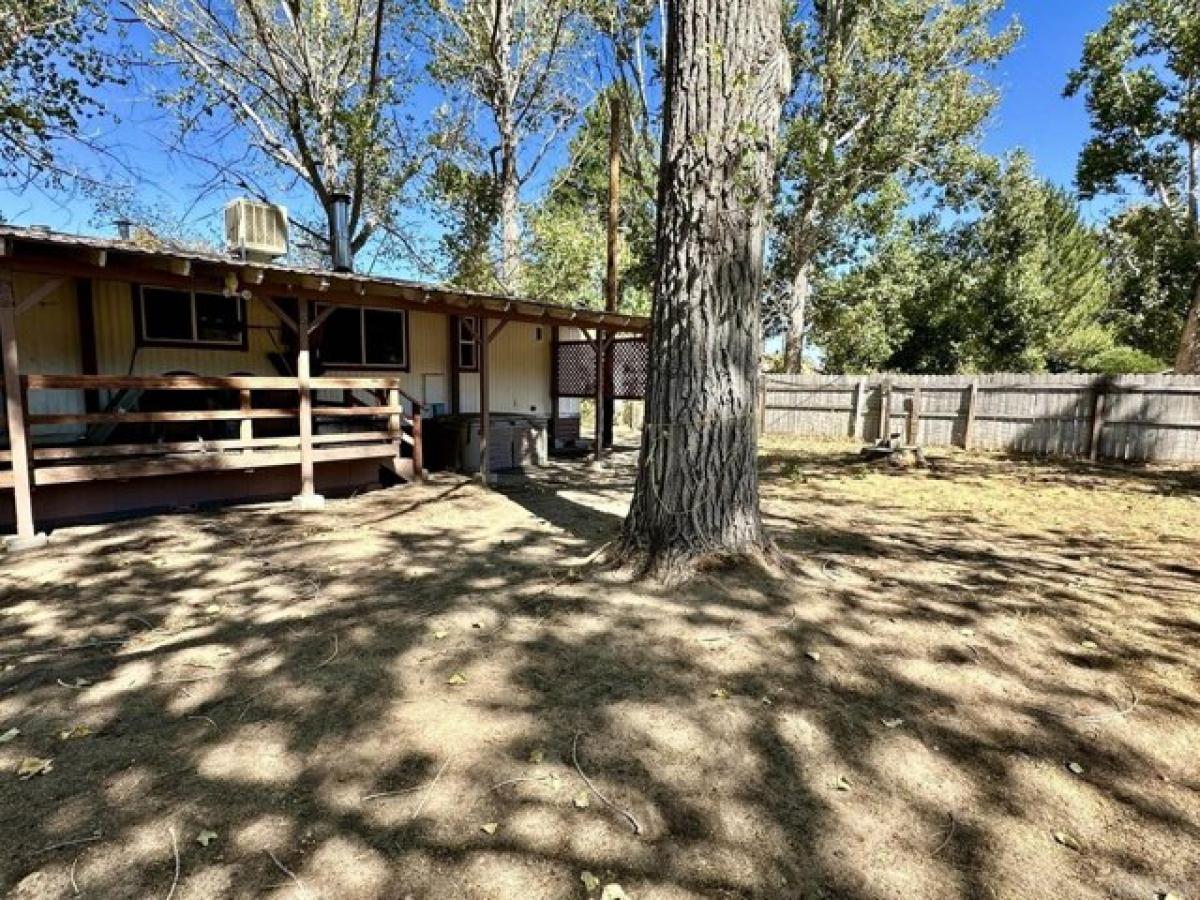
(982, 681)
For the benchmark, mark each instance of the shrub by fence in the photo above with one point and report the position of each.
(1153, 418)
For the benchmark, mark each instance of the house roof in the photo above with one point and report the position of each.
(60, 254)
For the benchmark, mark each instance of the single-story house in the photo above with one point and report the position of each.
(147, 376)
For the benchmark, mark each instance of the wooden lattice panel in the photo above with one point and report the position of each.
(630, 365)
(575, 369)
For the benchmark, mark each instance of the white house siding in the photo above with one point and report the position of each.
(520, 372)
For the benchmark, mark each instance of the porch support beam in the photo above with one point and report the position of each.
(26, 537)
(321, 318)
(485, 419)
(287, 320)
(308, 498)
(600, 343)
(495, 332)
(38, 294)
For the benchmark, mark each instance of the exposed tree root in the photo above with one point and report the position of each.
(674, 566)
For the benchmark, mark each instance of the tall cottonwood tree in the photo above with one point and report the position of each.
(884, 92)
(1140, 76)
(519, 63)
(313, 87)
(726, 75)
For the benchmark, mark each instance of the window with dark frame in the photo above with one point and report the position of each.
(366, 338)
(173, 316)
(468, 344)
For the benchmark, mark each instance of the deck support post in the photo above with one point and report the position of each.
(26, 537)
(418, 444)
(308, 498)
(483, 335)
(598, 439)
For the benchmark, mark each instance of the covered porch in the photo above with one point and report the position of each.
(160, 438)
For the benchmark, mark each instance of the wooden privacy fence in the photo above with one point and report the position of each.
(1152, 418)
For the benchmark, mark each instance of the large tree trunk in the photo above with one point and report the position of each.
(1187, 362)
(510, 222)
(801, 291)
(697, 487)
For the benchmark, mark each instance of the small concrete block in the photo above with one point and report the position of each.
(14, 543)
(308, 502)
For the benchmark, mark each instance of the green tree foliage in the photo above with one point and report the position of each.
(568, 227)
(884, 92)
(1022, 287)
(1153, 269)
(1140, 76)
(49, 65)
(512, 75)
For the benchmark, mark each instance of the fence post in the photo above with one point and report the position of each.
(762, 405)
(885, 409)
(1097, 421)
(913, 429)
(860, 392)
(972, 400)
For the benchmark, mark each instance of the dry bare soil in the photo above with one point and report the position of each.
(980, 681)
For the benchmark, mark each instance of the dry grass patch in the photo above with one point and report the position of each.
(981, 682)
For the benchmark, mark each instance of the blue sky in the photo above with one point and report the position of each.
(1033, 114)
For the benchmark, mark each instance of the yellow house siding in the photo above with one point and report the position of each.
(48, 344)
(117, 352)
(427, 378)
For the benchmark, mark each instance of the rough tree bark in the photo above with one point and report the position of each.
(696, 496)
(798, 297)
(1187, 362)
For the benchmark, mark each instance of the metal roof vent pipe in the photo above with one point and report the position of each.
(339, 223)
(124, 229)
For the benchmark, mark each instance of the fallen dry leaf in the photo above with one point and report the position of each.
(613, 892)
(489, 827)
(1066, 840)
(10, 735)
(440, 635)
(457, 678)
(582, 800)
(73, 734)
(33, 765)
(813, 655)
(206, 837)
(843, 783)
(590, 881)
(1075, 767)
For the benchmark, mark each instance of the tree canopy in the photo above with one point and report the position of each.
(1022, 286)
(883, 94)
(50, 65)
(1140, 77)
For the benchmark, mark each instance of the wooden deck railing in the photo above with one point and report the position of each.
(133, 459)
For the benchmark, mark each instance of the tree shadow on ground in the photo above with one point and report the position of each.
(348, 698)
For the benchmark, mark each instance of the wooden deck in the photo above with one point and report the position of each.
(399, 442)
